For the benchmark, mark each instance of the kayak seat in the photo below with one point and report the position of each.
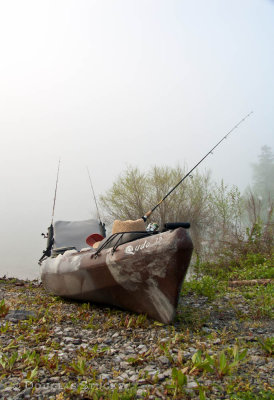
(69, 235)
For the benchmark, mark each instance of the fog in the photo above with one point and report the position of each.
(106, 84)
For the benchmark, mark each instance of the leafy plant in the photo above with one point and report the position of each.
(164, 347)
(50, 363)
(90, 324)
(31, 375)
(221, 365)
(260, 300)
(7, 363)
(178, 382)
(31, 358)
(90, 353)
(267, 345)
(205, 286)
(80, 367)
(140, 358)
(203, 363)
(248, 395)
(4, 309)
(4, 328)
(132, 321)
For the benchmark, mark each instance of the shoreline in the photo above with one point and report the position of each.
(70, 350)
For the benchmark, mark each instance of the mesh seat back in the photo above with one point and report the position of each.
(74, 233)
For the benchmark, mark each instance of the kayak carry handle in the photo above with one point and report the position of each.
(175, 225)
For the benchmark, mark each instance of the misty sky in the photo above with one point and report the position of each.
(109, 83)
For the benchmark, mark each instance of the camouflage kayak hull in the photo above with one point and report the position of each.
(143, 276)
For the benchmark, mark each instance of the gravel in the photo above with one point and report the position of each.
(124, 351)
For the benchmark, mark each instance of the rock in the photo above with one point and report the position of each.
(192, 384)
(161, 377)
(164, 360)
(54, 379)
(104, 377)
(133, 378)
(192, 350)
(102, 368)
(141, 348)
(124, 364)
(140, 392)
(124, 376)
(19, 315)
(257, 360)
(167, 373)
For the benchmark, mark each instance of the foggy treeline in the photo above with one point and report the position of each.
(221, 217)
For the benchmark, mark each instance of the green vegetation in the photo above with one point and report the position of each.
(203, 286)
(223, 364)
(220, 356)
(3, 308)
(267, 345)
(226, 225)
(178, 383)
(262, 395)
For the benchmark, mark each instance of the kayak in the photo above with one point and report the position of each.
(144, 275)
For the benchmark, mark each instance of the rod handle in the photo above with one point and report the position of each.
(145, 217)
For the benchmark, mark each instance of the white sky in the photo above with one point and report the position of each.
(105, 84)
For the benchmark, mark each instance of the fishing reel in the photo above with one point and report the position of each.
(152, 227)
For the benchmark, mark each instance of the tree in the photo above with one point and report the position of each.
(134, 193)
(127, 197)
(263, 174)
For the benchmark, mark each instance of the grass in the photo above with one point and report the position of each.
(204, 286)
(248, 395)
(250, 266)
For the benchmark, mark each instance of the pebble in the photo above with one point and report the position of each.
(257, 360)
(192, 384)
(124, 364)
(123, 377)
(104, 376)
(206, 330)
(133, 378)
(163, 360)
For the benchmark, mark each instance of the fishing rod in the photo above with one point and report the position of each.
(49, 235)
(145, 217)
(54, 201)
(94, 197)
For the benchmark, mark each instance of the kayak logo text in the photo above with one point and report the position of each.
(132, 250)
